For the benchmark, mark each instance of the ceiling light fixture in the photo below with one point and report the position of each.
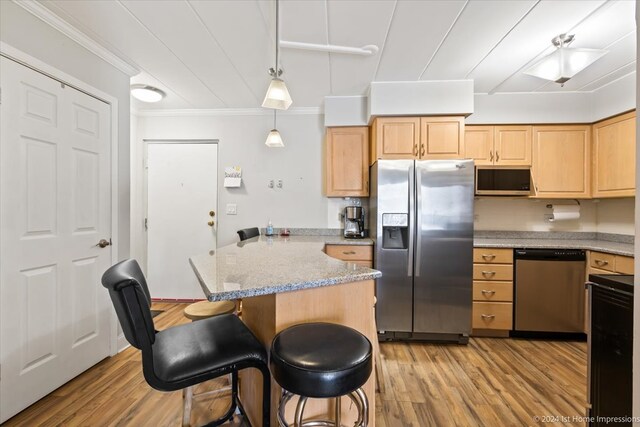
(274, 140)
(277, 96)
(146, 93)
(564, 63)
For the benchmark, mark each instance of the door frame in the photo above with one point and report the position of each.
(145, 178)
(41, 67)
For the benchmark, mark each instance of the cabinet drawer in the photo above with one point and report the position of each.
(492, 272)
(492, 291)
(350, 252)
(493, 256)
(492, 315)
(624, 264)
(602, 261)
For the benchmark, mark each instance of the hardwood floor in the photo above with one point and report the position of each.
(490, 382)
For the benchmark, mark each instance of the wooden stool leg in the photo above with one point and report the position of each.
(187, 399)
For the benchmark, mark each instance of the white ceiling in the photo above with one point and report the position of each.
(215, 53)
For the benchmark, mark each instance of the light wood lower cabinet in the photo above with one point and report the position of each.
(358, 254)
(492, 312)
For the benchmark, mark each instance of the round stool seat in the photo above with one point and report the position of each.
(205, 309)
(321, 360)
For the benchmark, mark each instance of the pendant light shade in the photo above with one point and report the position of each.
(277, 95)
(564, 63)
(274, 139)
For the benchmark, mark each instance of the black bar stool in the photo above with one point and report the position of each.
(321, 360)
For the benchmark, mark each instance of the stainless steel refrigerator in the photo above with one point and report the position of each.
(421, 219)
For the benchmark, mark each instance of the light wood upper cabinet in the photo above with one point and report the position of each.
(508, 145)
(347, 162)
(417, 138)
(614, 157)
(561, 159)
(395, 138)
(478, 144)
(441, 137)
(512, 145)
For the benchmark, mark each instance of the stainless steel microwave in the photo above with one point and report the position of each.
(503, 180)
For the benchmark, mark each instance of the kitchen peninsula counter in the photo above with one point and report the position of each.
(287, 281)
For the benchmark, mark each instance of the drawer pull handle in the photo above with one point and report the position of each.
(488, 316)
(489, 273)
(349, 252)
(488, 257)
(601, 262)
(484, 291)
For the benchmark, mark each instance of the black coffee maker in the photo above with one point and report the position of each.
(354, 222)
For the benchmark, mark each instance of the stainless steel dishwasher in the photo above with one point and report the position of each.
(549, 290)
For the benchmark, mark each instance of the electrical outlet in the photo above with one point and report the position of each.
(232, 209)
(270, 183)
(279, 183)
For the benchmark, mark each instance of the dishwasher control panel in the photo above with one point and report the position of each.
(551, 254)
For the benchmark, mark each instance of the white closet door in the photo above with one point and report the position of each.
(55, 196)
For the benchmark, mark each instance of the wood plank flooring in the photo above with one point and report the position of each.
(490, 382)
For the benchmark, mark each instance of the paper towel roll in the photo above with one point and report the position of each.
(566, 208)
(563, 216)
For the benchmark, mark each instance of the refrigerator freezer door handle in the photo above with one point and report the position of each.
(417, 218)
(412, 220)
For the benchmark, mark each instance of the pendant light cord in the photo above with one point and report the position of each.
(274, 119)
(277, 36)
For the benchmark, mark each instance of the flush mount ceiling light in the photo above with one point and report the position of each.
(146, 93)
(564, 63)
(274, 140)
(277, 96)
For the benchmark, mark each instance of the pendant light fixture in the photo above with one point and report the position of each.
(274, 140)
(277, 96)
(564, 63)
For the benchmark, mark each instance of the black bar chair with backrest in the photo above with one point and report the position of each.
(248, 233)
(189, 354)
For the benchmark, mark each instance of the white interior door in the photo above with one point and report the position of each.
(182, 188)
(55, 206)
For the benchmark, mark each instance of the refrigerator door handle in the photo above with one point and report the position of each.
(412, 219)
(416, 214)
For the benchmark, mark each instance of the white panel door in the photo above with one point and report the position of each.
(55, 206)
(182, 182)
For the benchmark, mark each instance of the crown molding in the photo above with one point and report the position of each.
(46, 15)
(228, 112)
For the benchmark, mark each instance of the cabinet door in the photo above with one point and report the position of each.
(478, 144)
(614, 157)
(512, 145)
(347, 162)
(441, 137)
(397, 137)
(561, 158)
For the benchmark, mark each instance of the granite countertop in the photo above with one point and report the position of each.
(616, 248)
(266, 265)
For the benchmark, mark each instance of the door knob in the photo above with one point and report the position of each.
(103, 243)
(211, 223)
(212, 213)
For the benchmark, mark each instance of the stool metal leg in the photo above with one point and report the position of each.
(338, 411)
(300, 411)
(365, 406)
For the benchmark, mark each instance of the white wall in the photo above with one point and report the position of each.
(299, 203)
(616, 216)
(25, 32)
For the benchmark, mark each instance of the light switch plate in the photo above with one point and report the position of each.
(232, 209)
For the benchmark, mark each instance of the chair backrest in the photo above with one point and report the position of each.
(248, 233)
(132, 301)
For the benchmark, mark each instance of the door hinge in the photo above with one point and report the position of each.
(146, 224)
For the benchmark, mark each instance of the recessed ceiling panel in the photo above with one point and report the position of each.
(528, 40)
(356, 23)
(192, 44)
(116, 28)
(417, 29)
(479, 29)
